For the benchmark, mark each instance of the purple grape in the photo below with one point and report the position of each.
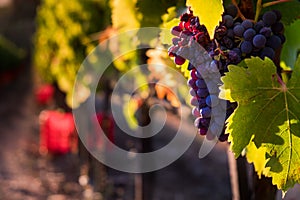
(230, 33)
(194, 101)
(274, 42)
(192, 92)
(179, 60)
(278, 14)
(259, 25)
(231, 10)
(205, 112)
(249, 34)
(227, 42)
(191, 83)
(282, 38)
(247, 24)
(176, 30)
(259, 41)
(234, 57)
(238, 30)
(175, 40)
(266, 31)
(212, 100)
(195, 112)
(202, 92)
(203, 131)
(204, 122)
(223, 137)
(200, 83)
(238, 51)
(246, 47)
(267, 52)
(202, 102)
(269, 18)
(277, 27)
(228, 21)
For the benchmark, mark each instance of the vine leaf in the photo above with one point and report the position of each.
(209, 13)
(292, 45)
(268, 114)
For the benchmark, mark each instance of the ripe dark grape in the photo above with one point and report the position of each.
(266, 31)
(202, 92)
(278, 14)
(234, 57)
(231, 10)
(269, 18)
(259, 41)
(230, 33)
(205, 112)
(238, 51)
(228, 43)
(246, 47)
(212, 100)
(228, 21)
(249, 34)
(247, 24)
(238, 30)
(200, 83)
(223, 137)
(176, 30)
(259, 25)
(274, 42)
(277, 27)
(179, 60)
(282, 38)
(267, 52)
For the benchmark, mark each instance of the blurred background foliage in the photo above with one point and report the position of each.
(67, 31)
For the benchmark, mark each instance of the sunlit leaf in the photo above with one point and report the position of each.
(268, 111)
(209, 13)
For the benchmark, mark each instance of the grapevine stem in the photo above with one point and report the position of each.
(274, 3)
(240, 14)
(258, 9)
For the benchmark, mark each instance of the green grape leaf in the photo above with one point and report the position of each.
(291, 47)
(269, 112)
(209, 13)
(165, 36)
(289, 10)
(169, 21)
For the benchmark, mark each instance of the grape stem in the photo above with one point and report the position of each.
(240, 14)
(283, 85)
(274, 3)
(258, 9)
(260, 5)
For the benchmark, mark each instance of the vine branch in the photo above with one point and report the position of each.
(274, 3)
(240, 14)
(258, 9)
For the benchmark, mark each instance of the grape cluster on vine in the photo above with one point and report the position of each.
(235, 39)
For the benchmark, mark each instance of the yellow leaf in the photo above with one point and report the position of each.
(209, 13)
(124, 15)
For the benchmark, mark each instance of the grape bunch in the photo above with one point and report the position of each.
(235, 40)
(248, 38)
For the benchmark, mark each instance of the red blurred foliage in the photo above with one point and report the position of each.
(44, 94)
(57, 132)
(107, 124)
